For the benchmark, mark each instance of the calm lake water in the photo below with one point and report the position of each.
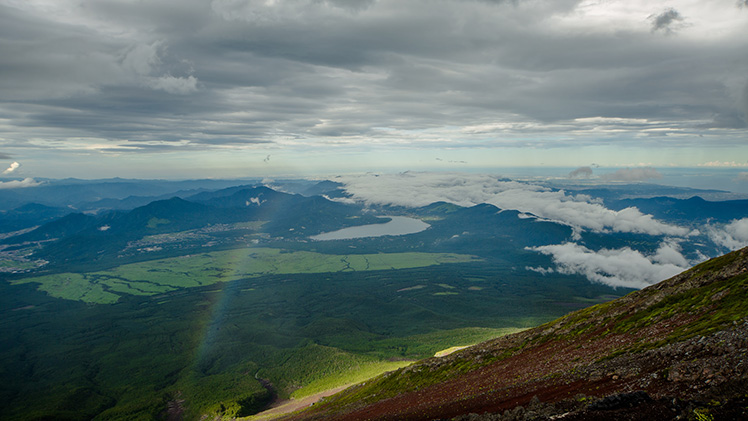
(399, 225)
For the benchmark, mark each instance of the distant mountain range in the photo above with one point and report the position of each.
(686, 211)
(675, 350)
(87, 238)
(70, 236)
(76, 193)
(29, 215)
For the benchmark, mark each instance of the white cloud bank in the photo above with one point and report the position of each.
(725, 164)
(617, 268)
(580, 211)
(734, 235)
(17, 184)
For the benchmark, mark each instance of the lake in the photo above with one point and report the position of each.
(399, 225)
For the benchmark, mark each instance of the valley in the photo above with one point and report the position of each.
(223, 302)
(463, 210)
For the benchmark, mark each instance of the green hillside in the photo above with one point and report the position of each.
(680, 341)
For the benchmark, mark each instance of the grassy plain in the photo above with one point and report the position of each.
(165, 275)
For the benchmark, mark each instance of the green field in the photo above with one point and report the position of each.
(165, 275)
(352, 375)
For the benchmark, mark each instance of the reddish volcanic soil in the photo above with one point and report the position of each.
(554, 373)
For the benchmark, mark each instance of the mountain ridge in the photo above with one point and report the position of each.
(688, 211)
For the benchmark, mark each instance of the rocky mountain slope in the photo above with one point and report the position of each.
(676, 350)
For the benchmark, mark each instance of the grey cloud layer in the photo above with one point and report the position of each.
(666, 20)
(236, 71)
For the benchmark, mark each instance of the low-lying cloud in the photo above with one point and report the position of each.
(733, 236)
(623, 267)
(578, 211)
(17, 184)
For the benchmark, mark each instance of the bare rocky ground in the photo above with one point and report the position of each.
(699, 379)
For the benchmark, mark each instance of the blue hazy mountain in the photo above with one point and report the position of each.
(483, 229)
(66, 226)
(29, 215)
(74, 192)
(619, 191)
(86, 238)
(325, 187)
(251, 197)
(686, 211)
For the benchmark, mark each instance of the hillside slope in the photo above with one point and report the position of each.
(676, 349)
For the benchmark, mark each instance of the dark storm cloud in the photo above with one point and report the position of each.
(234, 71)
(581, 172)
(43, 59)
(666, 20)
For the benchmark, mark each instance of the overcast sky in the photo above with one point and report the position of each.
(233, 88)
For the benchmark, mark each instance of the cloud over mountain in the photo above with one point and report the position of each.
(732, 236)
(17, 184)
(579, 211)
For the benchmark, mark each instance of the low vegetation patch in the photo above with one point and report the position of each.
(165, 275)
(359, 374)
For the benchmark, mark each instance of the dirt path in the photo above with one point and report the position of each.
(285, 407)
